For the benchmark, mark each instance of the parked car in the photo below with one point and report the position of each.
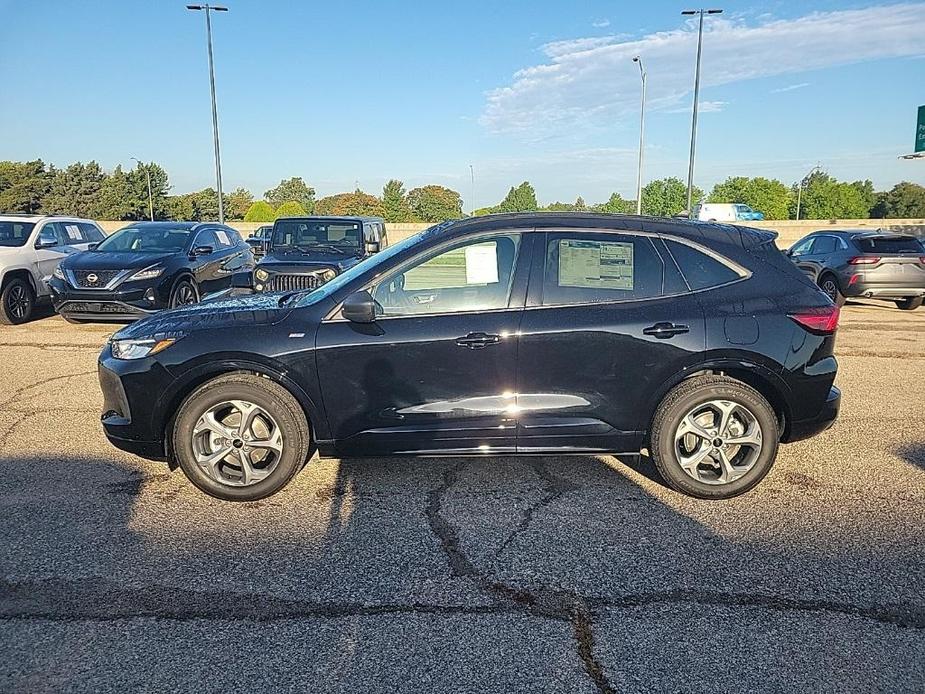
(306, 252)
(503, 334)
(149, 266)
(871, 264)
(31, 246)
(726, 212)
(260, 239)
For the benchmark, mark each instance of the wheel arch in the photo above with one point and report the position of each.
(758, 376)
(170, 401)
(19, 273)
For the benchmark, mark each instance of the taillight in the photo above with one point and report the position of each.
(922, 259)
(822, 320)
(864, 260)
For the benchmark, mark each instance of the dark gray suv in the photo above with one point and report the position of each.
(871, 264)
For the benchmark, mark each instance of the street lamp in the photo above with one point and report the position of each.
(803, 180)
(472, 187)
(148, 176)
(218, 157)
(690, 167)
(642, 133)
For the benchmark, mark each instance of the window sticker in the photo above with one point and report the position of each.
(482, 264)
(73, 232)
(222, 237)
(596, 264)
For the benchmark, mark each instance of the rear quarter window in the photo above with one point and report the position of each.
(885, 245)
(699, 269)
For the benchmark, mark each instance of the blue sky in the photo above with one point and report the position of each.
(360, 92)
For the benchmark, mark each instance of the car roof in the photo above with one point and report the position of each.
(702, 232)
(332, 217)
(14, 217)
(170, 225)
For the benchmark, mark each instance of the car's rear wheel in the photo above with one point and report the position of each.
(240, 437)
(829, 285)
(714, 437)
(909, 304)
(16, 302)
(184, 293)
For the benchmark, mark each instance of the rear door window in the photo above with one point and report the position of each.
(885, 245)
(586, 268)
(824, 245)
(90, 232)
(701, 270)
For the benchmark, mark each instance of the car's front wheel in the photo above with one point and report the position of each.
(184, 293)
(240, 437)
(714, 437)
(909, 304)
(16, 302)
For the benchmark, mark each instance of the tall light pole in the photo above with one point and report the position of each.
(642, 134)
(803, 180)
(690, 166)
(148, 176)
(218, 157)
(472, 187)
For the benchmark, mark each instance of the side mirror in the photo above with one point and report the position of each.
(203, 250)
(372, 247)
(359, 307)
(92, 246)
(789, 253)
(46, 242)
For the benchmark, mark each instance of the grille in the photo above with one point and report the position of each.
(102, 278)
(288, 283)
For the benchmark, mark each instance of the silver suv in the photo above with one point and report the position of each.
(31, 246)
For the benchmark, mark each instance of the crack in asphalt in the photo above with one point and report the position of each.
(45, 381)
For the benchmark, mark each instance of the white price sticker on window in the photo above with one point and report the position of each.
(482, 263)
(73, 232)
(222, 237)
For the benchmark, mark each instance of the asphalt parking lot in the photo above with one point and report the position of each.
(575, 574)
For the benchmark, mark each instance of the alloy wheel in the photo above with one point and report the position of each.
(17, 302)
(186, 295)
(237, 443)
(830, 288)
(717, 442)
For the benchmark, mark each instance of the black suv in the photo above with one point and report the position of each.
(149, 266)
(871, 264)
(525, 333)
(306, 252)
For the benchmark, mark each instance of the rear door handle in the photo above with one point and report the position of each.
(665, 330)
(478, 340)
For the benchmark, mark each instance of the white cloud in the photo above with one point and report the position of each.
(705, 107)
(591, 80)
(601, 24)
(790, 88)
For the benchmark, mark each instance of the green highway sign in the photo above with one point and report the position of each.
(920, 131)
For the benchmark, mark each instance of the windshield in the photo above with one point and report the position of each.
(366, 266)
(145, 240)
(15, 233)
(323, 235)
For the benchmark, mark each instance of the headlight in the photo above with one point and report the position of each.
(58, 273)
(328, 275)
(262, 275)
(139, 349)
(149, 273)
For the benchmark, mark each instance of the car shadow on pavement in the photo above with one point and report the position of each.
(478, 574)
(913, 453)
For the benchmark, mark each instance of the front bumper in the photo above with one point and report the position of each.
(130, 303)
(806, 428)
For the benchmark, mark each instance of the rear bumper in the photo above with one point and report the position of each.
(806, 428)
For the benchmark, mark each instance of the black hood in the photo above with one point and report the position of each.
(281, 259)
(101, 260)
(250, 310)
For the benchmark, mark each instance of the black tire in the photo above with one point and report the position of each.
(909, 304)
(829, 285)
(17, 301)
(684, 398)
(184, 293)
(278, 402)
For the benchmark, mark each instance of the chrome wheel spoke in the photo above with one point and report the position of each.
(728, 471)
(273, 443)
(690, 426)
(751, 438)
(212, 459)
(690, 463)
(208, 422)
(248, 412)
(725, 410)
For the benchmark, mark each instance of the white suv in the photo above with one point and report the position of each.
(31, 246)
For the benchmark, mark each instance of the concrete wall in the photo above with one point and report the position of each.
(789, 230)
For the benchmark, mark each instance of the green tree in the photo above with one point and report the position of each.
(435, 203)
(239, 202)
(558, 207)
(768, 196)
(580, 205)
(23, 185)
(616, 205)
(357, 203)
(180, 207)
(118, 199)
(519, 199)
(395, 202)
(75, 191)
(482, 211)
(260, 211)
(667, 197)
(824, 197)
(292, 190)
(903, 201)
(290, 209)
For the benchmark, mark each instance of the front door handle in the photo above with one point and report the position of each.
(665, 330)
(478, 340)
